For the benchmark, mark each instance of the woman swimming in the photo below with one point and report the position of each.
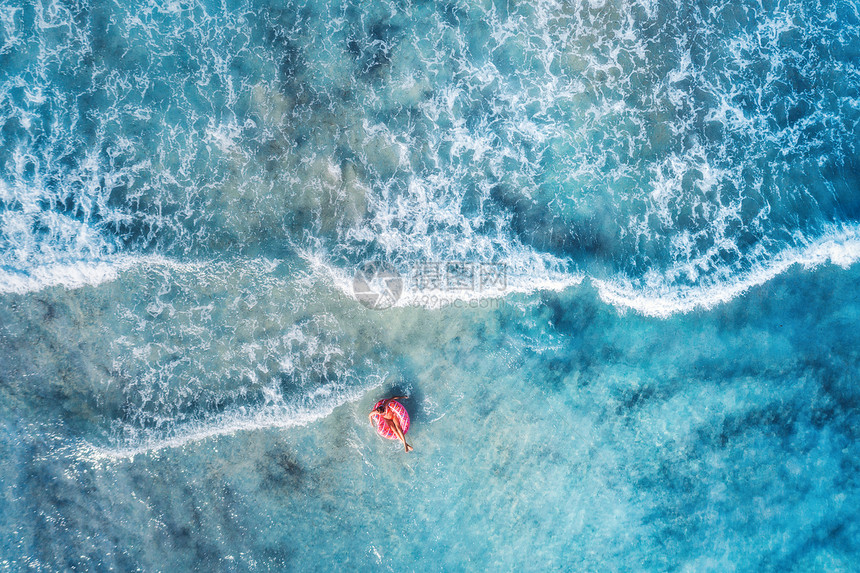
(388, 417)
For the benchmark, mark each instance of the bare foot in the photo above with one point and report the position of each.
(409, 448)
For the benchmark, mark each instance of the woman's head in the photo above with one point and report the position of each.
(381, 408)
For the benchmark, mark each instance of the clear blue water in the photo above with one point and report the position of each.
(666, 380)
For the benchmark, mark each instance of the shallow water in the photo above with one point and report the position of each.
(659, 372)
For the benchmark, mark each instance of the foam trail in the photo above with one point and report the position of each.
(281, 415)
(525, 271)
(663, 300)
(94, 273)
(73, 275)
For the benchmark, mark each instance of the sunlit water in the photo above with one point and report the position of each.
(666, 378)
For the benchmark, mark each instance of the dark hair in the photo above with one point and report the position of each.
(381, 407)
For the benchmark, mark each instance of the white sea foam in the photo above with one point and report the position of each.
(68, 275)
(74, 275)
(663, 299)
(523, 272)
(261, 347)
(660, 295)
(279, 415)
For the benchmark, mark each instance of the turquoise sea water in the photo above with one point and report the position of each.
(665, 378)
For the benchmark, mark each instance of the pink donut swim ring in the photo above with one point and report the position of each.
(399, 412)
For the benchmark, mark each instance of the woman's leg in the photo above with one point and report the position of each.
(394, 425)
